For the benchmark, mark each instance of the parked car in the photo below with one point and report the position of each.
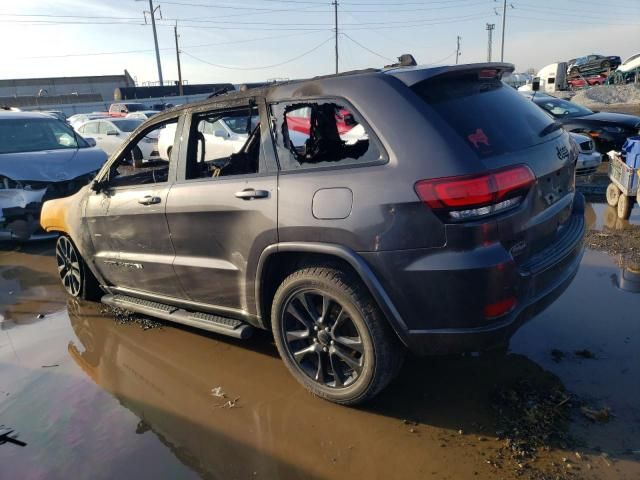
(40, 158)
(142, 114)
(122, 109)
(439, 238)
(109, 134)
(592, 64)
(588, 158)
(222, 136)
(608, 130)
(79, 118)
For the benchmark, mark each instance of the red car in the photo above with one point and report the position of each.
(575, 83)
(299, 120)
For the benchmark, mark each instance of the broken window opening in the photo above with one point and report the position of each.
(224, 143)
(320, 133)
(142, 163)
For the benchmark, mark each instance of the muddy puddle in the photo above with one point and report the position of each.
(95, 396)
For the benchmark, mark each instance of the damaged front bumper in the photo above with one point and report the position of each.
(20, 212)
(20, 206)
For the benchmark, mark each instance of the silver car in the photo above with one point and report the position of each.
(41, 158)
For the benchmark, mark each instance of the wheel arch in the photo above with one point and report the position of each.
(279, 260)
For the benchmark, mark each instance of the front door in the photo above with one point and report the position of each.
(128, 226)
(222, 213)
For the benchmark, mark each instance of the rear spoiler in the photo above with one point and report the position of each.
(412, 75)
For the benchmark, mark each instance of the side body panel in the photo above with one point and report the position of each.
(218, 237)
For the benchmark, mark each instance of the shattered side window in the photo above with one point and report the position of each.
(147, 157)
(320, 134)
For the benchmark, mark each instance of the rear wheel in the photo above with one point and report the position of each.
(625, 204)
(76, 278)
(332, 337)
(613, 194)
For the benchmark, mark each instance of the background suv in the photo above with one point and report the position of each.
(442, 236)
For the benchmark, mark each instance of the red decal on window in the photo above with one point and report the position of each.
(478, 137)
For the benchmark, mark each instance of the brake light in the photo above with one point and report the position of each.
(476, 195)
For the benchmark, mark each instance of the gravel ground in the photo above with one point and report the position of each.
(126, 317)
(624, 245)
(599, 96)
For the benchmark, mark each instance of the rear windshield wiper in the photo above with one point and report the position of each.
(552, 127)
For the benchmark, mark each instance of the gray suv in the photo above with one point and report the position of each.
(362, 215)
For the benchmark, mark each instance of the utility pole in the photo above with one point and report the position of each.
(152, 13)
(490, 28)
(175, 34)
(335, 9)
(504, 21)
(458, 53)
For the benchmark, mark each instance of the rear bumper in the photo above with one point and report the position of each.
(441, 304)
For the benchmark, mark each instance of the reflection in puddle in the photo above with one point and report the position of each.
(628, 279)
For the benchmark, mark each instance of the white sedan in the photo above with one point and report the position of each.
(222, 138)
(110, 133)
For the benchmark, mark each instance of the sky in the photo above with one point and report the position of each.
(258, 40)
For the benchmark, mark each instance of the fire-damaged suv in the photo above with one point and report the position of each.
(422, 209)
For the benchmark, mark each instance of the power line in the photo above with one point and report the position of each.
(216, 44)
(265, 67)
(367, 49)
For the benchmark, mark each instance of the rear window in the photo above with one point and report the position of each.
(490, 116)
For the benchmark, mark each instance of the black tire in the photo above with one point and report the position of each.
(338, 320)
(613, 194)
(76, 278)
(625, 204)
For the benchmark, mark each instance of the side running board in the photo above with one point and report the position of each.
(205, 321)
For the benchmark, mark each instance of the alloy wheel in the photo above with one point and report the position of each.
(322, 339)
(69, 266)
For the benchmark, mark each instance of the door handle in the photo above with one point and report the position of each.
(149, 200)
(250, 193)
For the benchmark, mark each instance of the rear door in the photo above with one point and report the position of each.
(128, 226)
(222, 212)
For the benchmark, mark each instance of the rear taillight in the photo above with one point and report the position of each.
(468, 197)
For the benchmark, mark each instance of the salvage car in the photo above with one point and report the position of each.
(608, 130)
(41, 158)
(109, 134)
(142, 114)
(592, 64)
(79, 118)
(222, 137)
(589, 159)
(441, 238)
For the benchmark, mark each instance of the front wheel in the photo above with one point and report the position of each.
(332, 337)
(74, 274)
